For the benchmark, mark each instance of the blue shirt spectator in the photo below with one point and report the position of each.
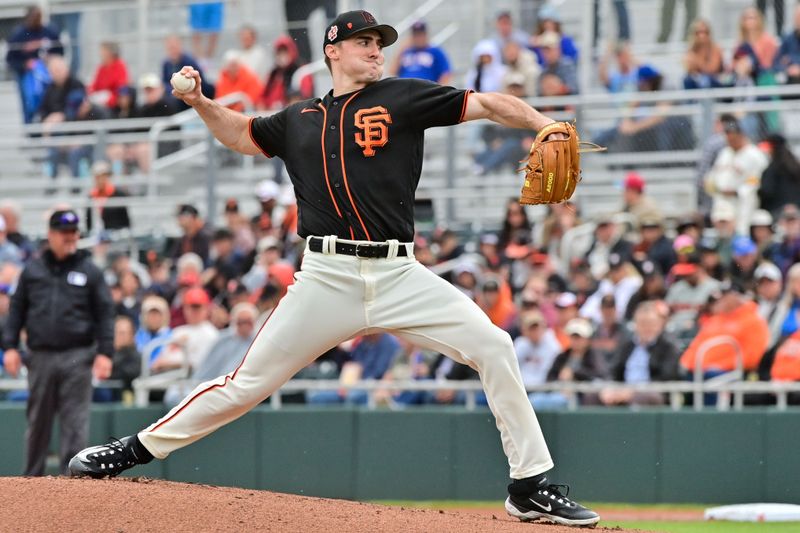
(788, 58)
(154, 325)
(177, 59)
(30, 40)
(422, 60)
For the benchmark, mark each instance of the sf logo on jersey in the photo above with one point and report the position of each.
(373, 122)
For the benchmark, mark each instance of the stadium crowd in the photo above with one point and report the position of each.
(638, 300)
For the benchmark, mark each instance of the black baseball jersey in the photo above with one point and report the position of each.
(355, 159)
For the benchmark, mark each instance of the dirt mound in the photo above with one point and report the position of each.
(144, 505)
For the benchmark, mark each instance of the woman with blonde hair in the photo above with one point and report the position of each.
(703, 59)
(752, 34)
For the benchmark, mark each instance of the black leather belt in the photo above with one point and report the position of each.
(364, 251)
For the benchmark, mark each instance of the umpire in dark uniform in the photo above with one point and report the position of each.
(65, 307)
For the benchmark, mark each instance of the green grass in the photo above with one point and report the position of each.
(708, 527)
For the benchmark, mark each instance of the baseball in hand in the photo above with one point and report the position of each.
(181, 83)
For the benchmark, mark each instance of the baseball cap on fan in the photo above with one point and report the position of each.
(351, 22)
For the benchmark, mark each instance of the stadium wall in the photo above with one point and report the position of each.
(445, 454)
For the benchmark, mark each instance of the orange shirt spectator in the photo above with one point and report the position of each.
(236, 77)
(495, 300)
(787, 360)
(735, 317)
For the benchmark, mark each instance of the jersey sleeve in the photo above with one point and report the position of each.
(269, 133)
(430, 105)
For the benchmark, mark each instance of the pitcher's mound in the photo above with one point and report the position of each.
(128, 505)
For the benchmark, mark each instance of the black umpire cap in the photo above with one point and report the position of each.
(64, 220)
(351, 22)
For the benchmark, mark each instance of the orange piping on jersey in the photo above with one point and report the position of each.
(464, 105)
(352, 235)
(228, 378)
(325, 159)
(250, 133)
(309, 110)
(344, 172)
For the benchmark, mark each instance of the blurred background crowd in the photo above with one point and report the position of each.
(640, 295)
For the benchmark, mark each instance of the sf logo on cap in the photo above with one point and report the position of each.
(368, 17)
(373, 121)
(333, 32)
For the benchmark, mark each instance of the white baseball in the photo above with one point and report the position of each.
(181, 83)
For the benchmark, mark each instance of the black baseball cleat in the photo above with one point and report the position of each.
(546, 502)
(109, 459)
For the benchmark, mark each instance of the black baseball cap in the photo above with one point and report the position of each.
(351, 22)
(64, 220)
(188, 209)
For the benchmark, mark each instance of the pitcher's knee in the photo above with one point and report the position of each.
(498, 350)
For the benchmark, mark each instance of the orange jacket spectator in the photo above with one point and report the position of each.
(744, 324)
(787, 360)
(279, 82)
(236, 77)
(496, 301)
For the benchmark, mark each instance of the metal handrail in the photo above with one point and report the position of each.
(735, 374)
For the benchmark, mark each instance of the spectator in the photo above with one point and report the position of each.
(110, 77)
(553, 62)
(155, 103)
(753, 38)
(153, 326)
(735, 317)
(11, 212)
(487, 71)
(29, 42)
(625, 77)
(686, 296)
(175, 60)
(236, 77)
(129, 298)
(723, 219)
(710, 149)
(115, 216)
(54, 101)
(788, 250)
(654, 246)
(607, 240)
(515, 220)
(420, 59)
(648, 356)
(225, 355)
(609, 332)
(623, 21)
(192, 341)
(523, 69)
(621, 281)
(787, 315)
(506, 32)
(763, 234)
(127, 360)
(244, 241)
(786, 366)
(372, 356)
(668, 14)
(652, 289)
(787, 60)
(252, 54)
(768, 295)
(780, 181)
(265, 223)
(195, 238)
(734, 179)
(227, 263)
(505, 147)
(579, 362)
(61, 283)
(745, 261)
(495, 300)
(279, 84)
(205, 19)
(536, 348)
(550, 21)
(703, 60)
(268, 253)
(635, 201)
(9, 252)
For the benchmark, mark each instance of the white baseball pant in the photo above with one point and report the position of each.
(337, 297)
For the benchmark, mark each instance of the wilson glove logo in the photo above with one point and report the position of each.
(375, 130)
